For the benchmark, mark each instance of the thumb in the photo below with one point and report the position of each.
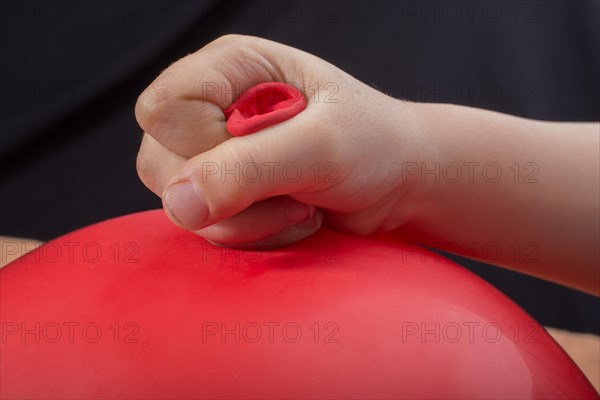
(229, 178)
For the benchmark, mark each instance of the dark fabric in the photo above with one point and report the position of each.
(70, 73)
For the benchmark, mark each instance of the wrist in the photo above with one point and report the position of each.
(415, 144)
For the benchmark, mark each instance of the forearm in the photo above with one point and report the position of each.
(513, 192)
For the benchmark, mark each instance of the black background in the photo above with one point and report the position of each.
(70, 73)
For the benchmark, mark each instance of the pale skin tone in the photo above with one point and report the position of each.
(527, 199)
(540, 217)
(13, 248)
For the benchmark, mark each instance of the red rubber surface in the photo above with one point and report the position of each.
(136, 308)
(263, 105)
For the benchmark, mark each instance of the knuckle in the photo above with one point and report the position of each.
(146, 170)
(229, 39)
(243, 152)
(149, 105)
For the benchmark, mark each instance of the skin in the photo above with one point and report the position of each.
(544, 219)
(584, 349)
(12, 248)
(539, 216)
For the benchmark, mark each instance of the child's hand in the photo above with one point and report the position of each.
(339, 160)
(456, 178)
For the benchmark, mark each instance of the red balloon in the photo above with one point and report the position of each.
(134, 307)
(263, 105)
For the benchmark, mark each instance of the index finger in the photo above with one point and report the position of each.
(183, 108)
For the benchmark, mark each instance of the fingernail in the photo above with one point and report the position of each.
(186, 204)
(296, 213)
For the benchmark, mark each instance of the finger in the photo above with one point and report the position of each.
(270, 223)
(363, 222)
(224, 181)
(182, 108)
(187, 126)
(156, 165)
